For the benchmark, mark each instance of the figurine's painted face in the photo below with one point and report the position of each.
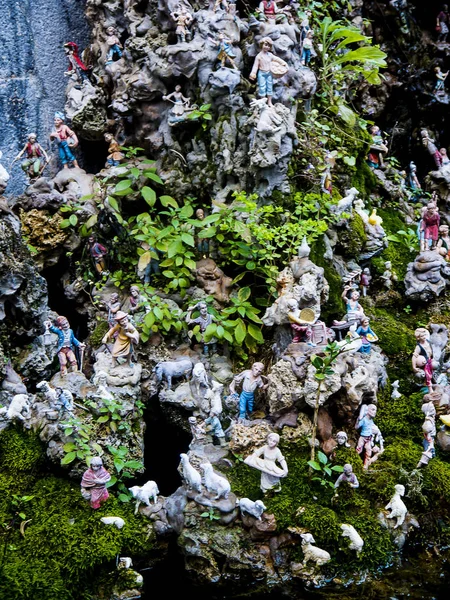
(134, 291)
(257, 369)
(341, 438)
(110, 31)
(388, 265)
(91, 239)
(355, 295)
(372, 411)
(58, 122)
(266, 46)
(348, 469)
(114, 297)
(365, 322)
(178, 88)
(32, 138)
(96, 464)
(123, 322)
(200, 214)
(203, 308)
(272, 440)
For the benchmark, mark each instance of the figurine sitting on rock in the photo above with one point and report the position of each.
(347, 477)
(93, 483)
(422, 363)
(301, 321)
(127, 335)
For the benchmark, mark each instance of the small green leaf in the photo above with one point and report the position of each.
(64, 224)
(68, 458)
(73, 220)
(123, 185)
(314, 465)
(154, 177)
(149, 195)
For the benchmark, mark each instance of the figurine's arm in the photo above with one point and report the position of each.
(283, 464)
(109, 334)
(255, 68)
(279, 60)
(189, 318)
(21, 152)
(73, 135)
(43, 152)
(344, 293)
(169, 97)
(236, 379)
(415, 355)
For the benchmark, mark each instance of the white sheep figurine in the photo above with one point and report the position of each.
(356, 541)
(117, 521)
(397, 506)
(345, 205)
(18, 409)
(144, 493)
(215, 483)
(316, 555)
(191, 476)
(48, 391)
(255, 509)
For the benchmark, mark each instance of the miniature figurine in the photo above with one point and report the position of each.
(313, 553)
(76, 65)
(202, 244)
(214, 428)
(114, 154)
(66, 140)
(67, 345)
(395, 395)
(388, 275)
(251, 379)
(307, 47)
(342, 439)
(364, 281)
(152, 266)
(36, 158)
(181, 106)
(443, 243)
(269, 11)
(430, 227)
(442, 22)
(203, 320)
(304, 25)
(183, 19)
(367, 336)
(198, 430)
(127, 336)
(377, 149)
(97, 252)
(222, 4)
(440, 80)
(301, 321)
(264, 62)
(113, 304)
(422, 357)
(397, 506)
(136, 305)
(114, 46)
(430, 145)
(347, 477)
(93, 483)
(226, 52)
(445, 157)
(100, 380)
(413, 182)
(64, 400)
(366, 425)
(355, 311)
(270, 472)
(429, 433)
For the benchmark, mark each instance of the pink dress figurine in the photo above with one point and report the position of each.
(93, 483)
(422, 356)
(430, 226)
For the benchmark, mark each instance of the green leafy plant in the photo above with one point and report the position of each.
(210, 514)
(80, 447)
(324, 469)
(201, 114)
(323, 365)
(160, 317)
(124, 469)
(408, 239)
(18, 504)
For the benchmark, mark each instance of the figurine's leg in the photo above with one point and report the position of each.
(62, 363)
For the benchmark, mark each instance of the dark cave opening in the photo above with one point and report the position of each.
(166, 440)
(60, 303)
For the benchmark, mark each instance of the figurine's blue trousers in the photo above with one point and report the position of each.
(114, 50)
(65, 153)
(265, 83)
(306, 56)
(246, 403)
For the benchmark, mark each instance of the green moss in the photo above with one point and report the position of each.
(352, 238)
(95, 339)
(65, 545)
(364, 180)
(402, 417)
(20, 450)
(395, 337)
(334, 305)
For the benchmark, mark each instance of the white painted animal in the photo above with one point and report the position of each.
(215, 483)
(18, 409)
(117, 521)
(397, 506)
(316, 555)
(356, 541)
(191, 476)
(216, 397)
(49, 392)
(395, 393)
(199, 376)
(255, 509)
(345, 205)
(144, 493)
